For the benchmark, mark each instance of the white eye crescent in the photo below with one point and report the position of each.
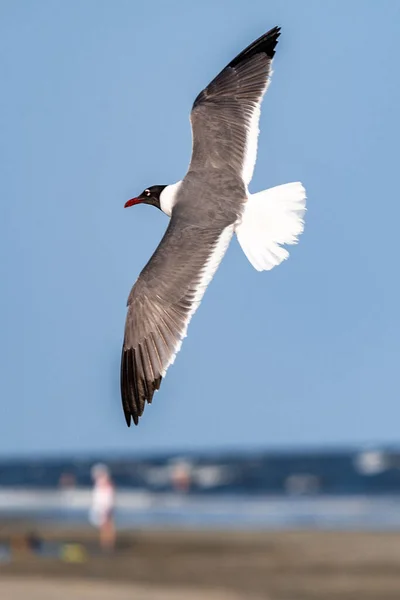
(147, 192)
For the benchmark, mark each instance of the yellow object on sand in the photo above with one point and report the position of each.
(73, 553)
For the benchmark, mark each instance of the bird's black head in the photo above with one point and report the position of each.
(150, 195)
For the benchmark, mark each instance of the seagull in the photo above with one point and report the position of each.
(206, 208)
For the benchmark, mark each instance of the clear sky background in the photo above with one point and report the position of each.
(94, 106)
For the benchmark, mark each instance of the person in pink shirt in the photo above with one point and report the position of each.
(102, 506)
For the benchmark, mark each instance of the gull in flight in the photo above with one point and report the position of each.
(206, 208)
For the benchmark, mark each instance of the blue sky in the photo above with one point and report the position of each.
(94, 108)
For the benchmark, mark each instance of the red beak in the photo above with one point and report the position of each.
(132, 202)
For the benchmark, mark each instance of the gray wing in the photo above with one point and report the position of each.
(161, 304)
(225, 115)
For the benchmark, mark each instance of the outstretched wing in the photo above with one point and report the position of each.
(161, 304)
(225, 115)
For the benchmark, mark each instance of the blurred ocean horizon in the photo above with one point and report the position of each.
(267, 490)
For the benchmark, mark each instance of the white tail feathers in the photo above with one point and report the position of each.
(271, 218)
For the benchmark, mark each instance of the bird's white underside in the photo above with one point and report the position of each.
(271, 218)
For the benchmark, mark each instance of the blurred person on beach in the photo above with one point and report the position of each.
(181, 476)
(102, 507)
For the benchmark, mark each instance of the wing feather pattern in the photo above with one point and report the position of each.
(160, 306)
(225, 115)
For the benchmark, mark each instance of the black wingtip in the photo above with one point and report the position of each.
(265, 44)
(136, 390)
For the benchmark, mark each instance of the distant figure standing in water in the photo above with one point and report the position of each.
(102, 508)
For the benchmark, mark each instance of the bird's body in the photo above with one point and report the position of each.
(206, 208)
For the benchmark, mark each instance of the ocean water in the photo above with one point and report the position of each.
(146, 510)
(356, 489)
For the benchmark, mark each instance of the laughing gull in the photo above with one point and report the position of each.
(206, 208)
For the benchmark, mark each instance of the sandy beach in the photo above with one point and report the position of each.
(37, 589)
(302, 565)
